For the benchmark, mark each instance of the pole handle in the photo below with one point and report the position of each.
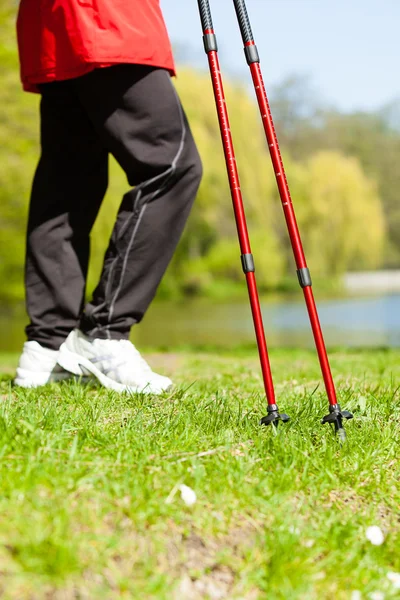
(205, 15)
(244, 21)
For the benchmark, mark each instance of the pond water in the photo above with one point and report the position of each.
(367, 322)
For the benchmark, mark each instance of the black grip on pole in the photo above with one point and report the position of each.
(244, 21)
(205, 14)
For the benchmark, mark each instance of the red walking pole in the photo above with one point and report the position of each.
(336, 415)
(211, 48)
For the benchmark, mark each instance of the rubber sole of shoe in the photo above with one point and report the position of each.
(32, 379)
(77, 364)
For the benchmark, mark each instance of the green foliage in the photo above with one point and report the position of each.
(18, 153)
(339, 213)
(305, 127)
(338, 207)
(335, 202)
(377, 147)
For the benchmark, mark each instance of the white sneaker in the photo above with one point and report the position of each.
(38, 366)
(115, 363)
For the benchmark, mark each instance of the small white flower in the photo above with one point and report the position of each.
(375, 535)
(188, 495)
(356, 595)
(377, 596)
(395, 579)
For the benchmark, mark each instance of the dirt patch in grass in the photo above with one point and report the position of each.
(216, 585)
(201, 566)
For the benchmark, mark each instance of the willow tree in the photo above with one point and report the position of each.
(339, 213)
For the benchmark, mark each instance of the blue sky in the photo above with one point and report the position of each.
(349, 48)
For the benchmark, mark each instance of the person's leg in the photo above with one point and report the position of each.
(136, 112)
(68, 188)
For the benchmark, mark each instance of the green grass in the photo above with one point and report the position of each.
(85, 475)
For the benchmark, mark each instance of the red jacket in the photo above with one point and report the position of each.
(61, 39)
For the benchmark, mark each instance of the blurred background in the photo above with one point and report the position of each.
(331, 71)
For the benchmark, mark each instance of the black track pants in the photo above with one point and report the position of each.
(133, 113)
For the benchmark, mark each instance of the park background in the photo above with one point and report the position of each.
(335, 102)
(89, 479)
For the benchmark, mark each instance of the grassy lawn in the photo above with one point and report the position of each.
(87, 503)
